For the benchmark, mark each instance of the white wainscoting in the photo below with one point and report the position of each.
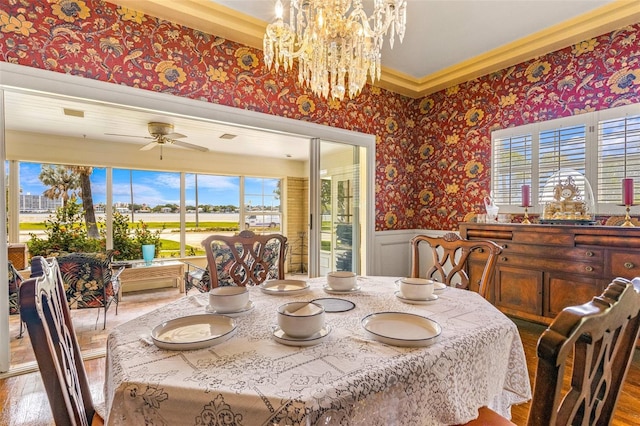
(392, 252)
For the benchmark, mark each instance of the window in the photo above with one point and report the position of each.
(603, 146)
(262, 204)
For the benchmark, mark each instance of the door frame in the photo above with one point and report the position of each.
(22, 78)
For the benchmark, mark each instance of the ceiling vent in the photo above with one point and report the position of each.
(73, 112)
(228, 136)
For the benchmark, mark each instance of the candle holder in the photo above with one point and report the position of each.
(627, 218)
(525, 220)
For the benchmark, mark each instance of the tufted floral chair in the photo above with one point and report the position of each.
(14, 284)
(15, 279)
(245, 259)
(89, 281)
(196, 277)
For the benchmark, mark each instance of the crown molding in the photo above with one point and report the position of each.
(213, 18)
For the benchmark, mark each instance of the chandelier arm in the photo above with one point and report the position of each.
(336, 44)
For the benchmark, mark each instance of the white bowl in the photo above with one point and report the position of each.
(301, 319)
(416, 288)
(228, 299)
(341, 280)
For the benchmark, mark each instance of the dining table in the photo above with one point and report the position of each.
(349, 376)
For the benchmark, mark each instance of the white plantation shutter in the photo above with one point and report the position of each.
(618, 156)
(561, 148)
(603, 146)
(511, 168)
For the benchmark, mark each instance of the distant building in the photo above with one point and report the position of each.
(38, 204)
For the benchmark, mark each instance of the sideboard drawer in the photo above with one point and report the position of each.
(625, 264)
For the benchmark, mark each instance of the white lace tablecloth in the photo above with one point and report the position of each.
(348, 379)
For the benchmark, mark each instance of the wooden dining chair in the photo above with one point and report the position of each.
(598, 339)
(45, 311)
(450, 256)
(245, 259)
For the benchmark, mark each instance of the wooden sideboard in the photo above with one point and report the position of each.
(545, 268)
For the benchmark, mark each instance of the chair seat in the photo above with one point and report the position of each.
(488, 417)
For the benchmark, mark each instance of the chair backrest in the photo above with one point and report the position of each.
(450, 255)
(14, 279)
(87, 279)
(598, 339)
(44, 308)
(245, 259)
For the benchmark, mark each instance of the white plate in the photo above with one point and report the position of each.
(249, 306)
(319, 337)
(401, 329)
(284, 287)
(193, 332)
(416, 301)
(330, 290)
(439, 286)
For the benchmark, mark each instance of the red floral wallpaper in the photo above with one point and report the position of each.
(432, 154)
(454, 144)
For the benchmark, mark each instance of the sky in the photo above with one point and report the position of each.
(159, 188)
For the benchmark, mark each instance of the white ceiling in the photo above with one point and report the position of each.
(440, 33)
(31, 112)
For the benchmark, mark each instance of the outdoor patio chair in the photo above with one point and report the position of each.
(90, 282)
(196, 277)
(15, 279)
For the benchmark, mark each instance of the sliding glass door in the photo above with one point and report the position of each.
(340, 187)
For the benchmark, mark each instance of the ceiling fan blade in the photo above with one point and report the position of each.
(174, 136)
(128, 136)
(190, 146)
(148, 146)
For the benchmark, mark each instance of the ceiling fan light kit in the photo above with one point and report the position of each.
(163, 134)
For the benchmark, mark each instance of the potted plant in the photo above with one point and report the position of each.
(148, 240)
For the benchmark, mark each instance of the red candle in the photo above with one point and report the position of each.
(627, 191)
(526, 196)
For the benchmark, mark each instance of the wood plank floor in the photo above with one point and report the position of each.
(24, 401)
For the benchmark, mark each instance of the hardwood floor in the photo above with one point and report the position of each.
(91, 337)
(25, 403)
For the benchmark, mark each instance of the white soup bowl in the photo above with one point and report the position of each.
(341, 280)
(416, 288)
(301, 319)
(228, 299)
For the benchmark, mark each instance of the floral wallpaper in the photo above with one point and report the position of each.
(432, 154)
(453, 173)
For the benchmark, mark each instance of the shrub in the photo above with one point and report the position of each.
(65, 232)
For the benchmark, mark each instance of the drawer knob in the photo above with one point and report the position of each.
(480, 250)
(504, 246)
(629, 265)
(589, 254)
(589, 268)
(503, 258)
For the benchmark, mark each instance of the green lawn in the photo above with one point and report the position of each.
(202, 226)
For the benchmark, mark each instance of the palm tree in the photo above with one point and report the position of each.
(84, 173)
(61, 181)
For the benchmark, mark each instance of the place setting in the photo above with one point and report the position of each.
(300, 324)
(341, 282)
(286, 287)
(417, 291)
(231, 301)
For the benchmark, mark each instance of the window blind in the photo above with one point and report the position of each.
(618, 156)
(562, 148)
(511, 168)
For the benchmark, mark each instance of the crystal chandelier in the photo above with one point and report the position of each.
(335, 42)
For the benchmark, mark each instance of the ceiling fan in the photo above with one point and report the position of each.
(163, 134)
